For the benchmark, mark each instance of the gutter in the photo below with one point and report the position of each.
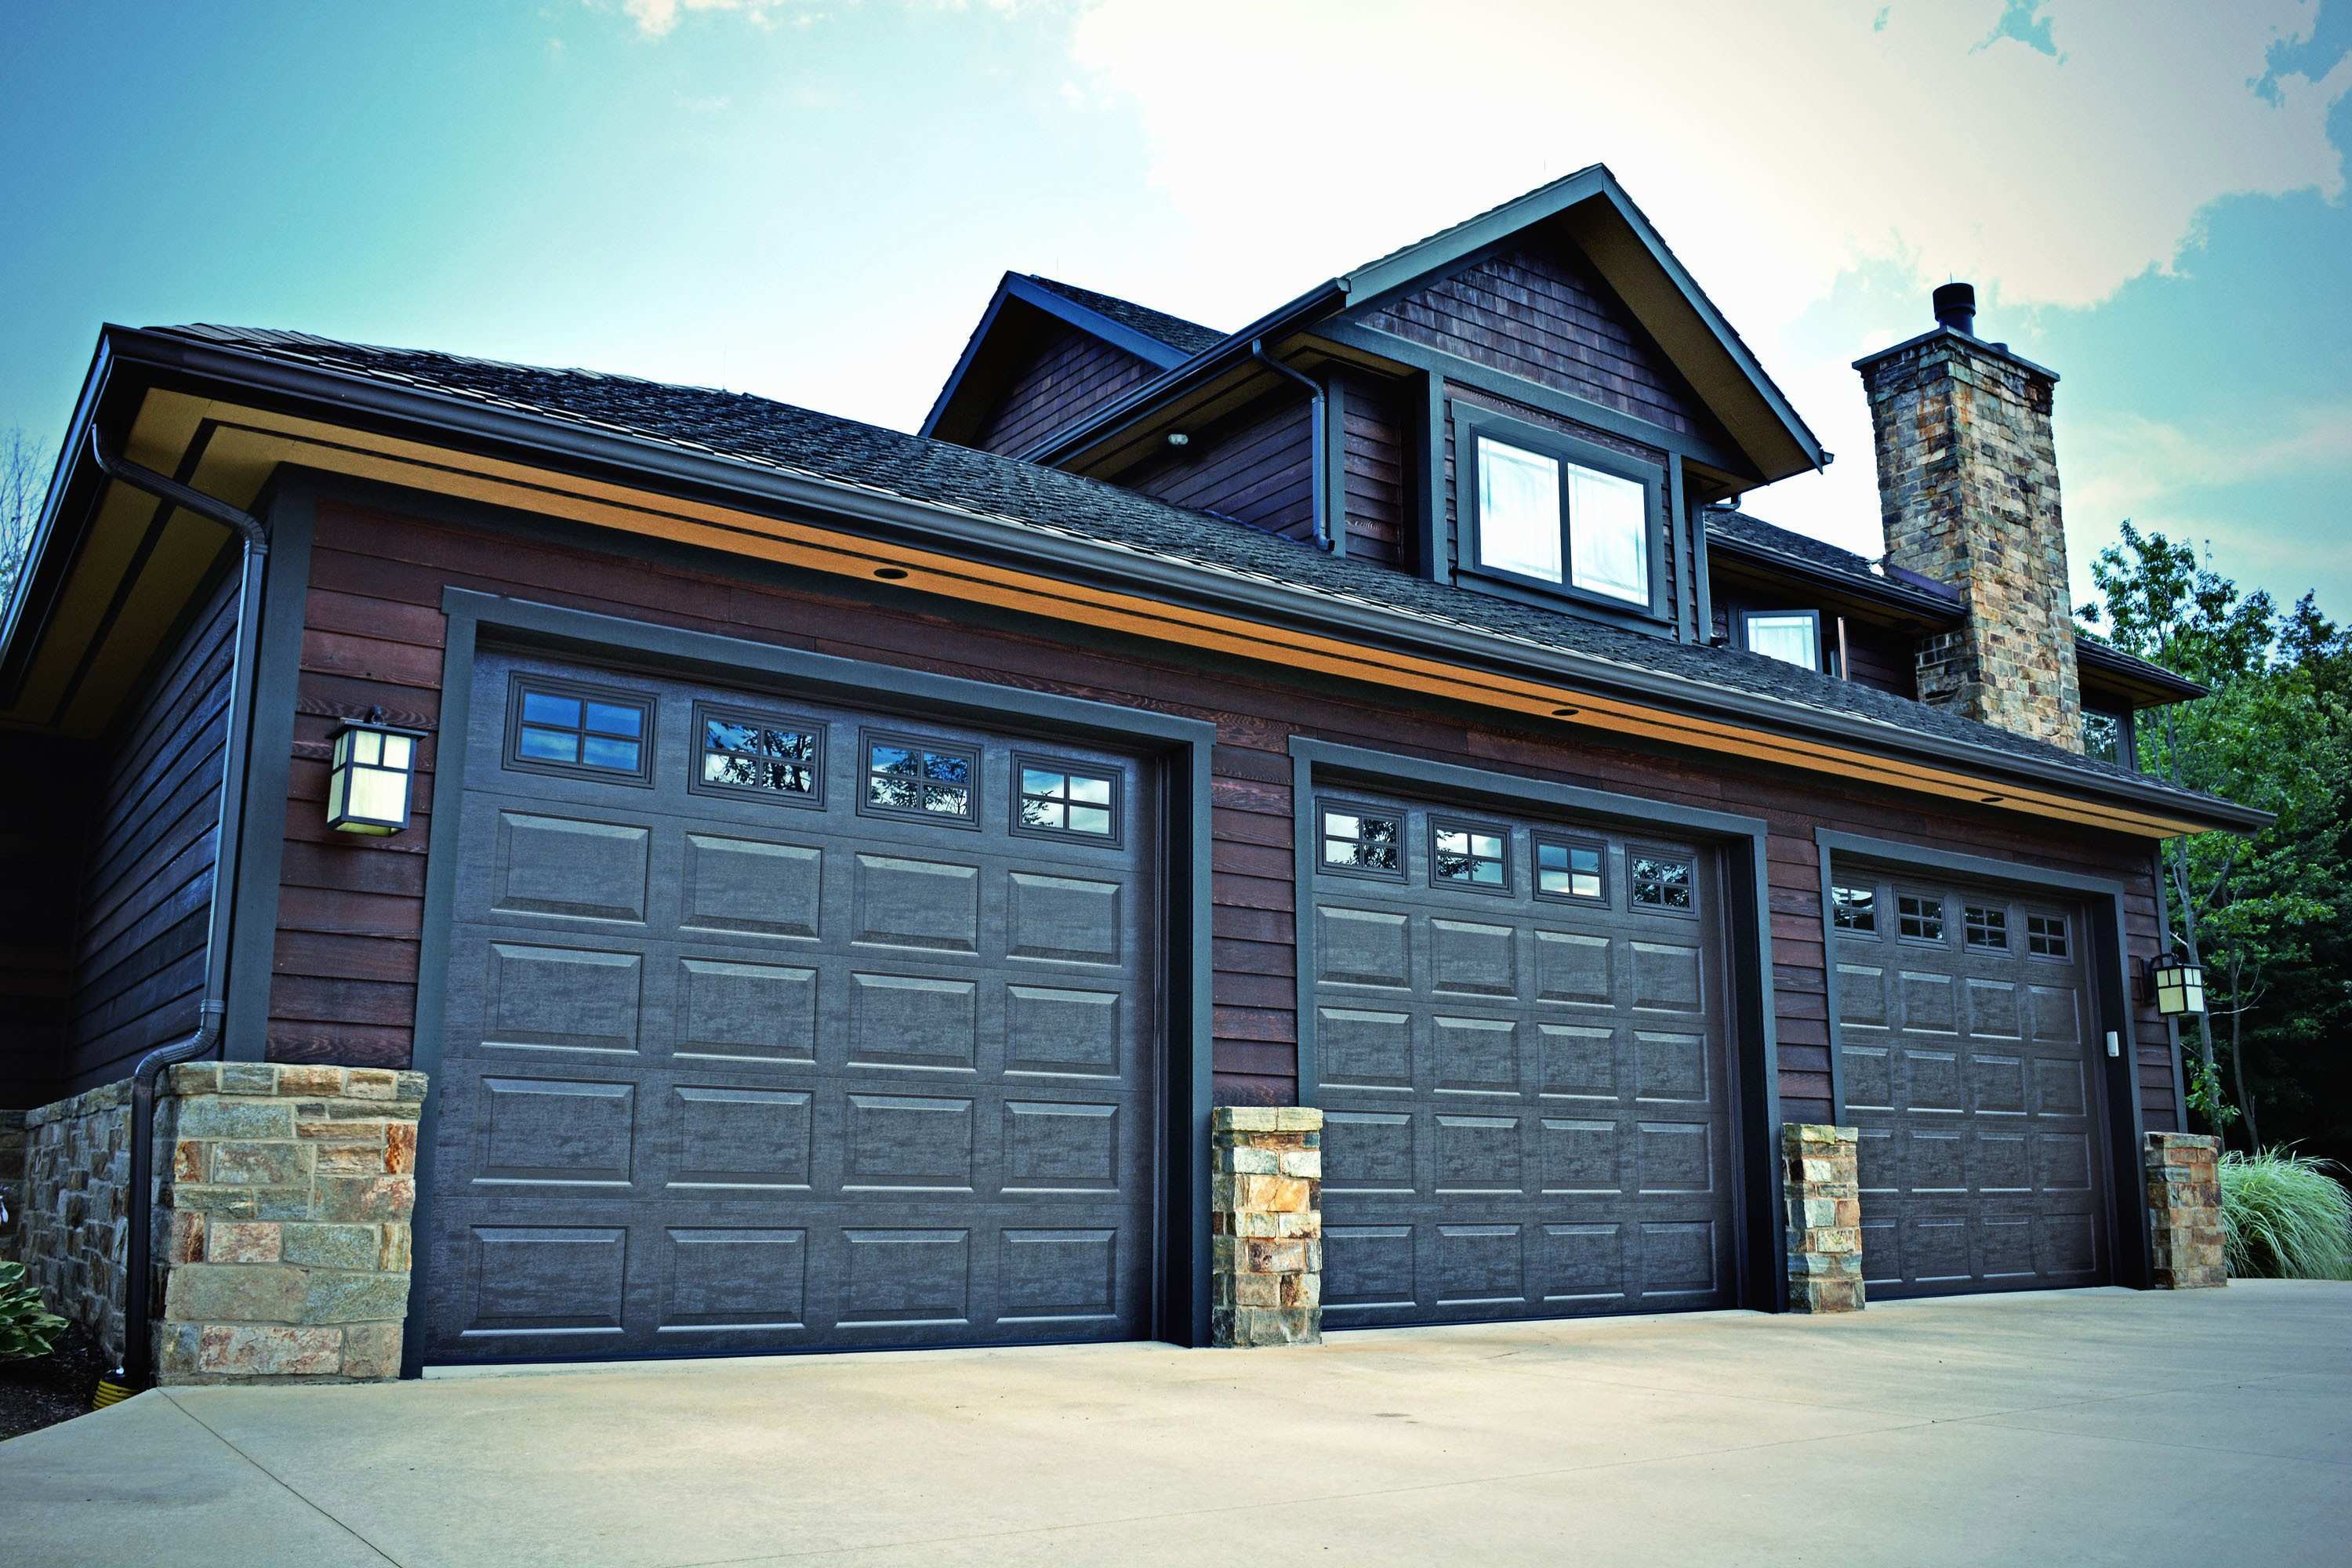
(548, 440)
(1319, 471)
(137, 1370)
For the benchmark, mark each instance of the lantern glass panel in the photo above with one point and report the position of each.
(397, 750)
(335, 789)
(378, 794)
(367, 748)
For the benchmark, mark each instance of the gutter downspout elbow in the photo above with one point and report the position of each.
(137, 1370)
(1318, 489)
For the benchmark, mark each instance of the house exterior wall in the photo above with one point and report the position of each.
(1376, 460)
(1068, 376)
(43, 812)
(1256, 466)
(143, 888)
(351, 912)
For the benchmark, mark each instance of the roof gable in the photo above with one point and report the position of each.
(1027, 311)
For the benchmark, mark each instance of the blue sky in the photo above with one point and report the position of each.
(813, 201)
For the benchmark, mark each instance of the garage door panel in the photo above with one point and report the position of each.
(1982, 1154)
(837, 1080)
(1526, 1102)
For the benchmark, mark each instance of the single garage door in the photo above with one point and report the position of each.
(774, 1025)
(1521, 1057)
(1968, 1057)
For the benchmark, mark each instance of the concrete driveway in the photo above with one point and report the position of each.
(2089, 1427)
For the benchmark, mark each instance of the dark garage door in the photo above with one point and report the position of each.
(1966, 1051)
(773, 1026)
(1520, 1039)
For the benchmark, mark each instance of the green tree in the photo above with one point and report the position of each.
(2260, 913)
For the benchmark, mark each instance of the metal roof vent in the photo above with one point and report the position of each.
(1956, 307)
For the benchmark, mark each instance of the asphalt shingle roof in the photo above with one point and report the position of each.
(1188, 337)
(778, 435)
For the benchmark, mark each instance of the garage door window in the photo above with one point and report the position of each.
(755, 754)
(1570, 868)
(2045, 936)
(1662, 884)
(1058, 800)
(1918, 919)
(1854, 909)
(1986, 928)
(922, 779)
(1467, 854)
(578, 730)
(1365, 843)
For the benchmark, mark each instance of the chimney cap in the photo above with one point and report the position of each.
(1956, 307)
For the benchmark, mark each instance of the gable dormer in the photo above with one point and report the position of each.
(1046, 356)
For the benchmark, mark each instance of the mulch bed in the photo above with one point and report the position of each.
(52, 1388)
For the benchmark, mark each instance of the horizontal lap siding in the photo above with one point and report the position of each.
(144, 891)
(43, 788)
(1374, 505)
(1256, 466)
(1069, 376)
(352, 911)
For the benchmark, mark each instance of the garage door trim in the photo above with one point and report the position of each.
(1178, 746)
(2102, 898)
(1756, 1111)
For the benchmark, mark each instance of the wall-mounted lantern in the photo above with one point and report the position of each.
(2177, 984)
(369, 780)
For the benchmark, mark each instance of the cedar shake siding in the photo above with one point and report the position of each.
(1377, 425)
(146, 879)
(351, 912)
(1067, 377)
(1541, 314)
(1255, 467)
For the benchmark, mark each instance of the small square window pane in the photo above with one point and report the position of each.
(1608, 534)
(1486, 873)
(614, 719)
(1090, 819)
(550, 745)
(1518, 511)
(894, 794)
(947, 766)
(377, 794)
(1486, 845)
(1452, 841)
(947, 800)
(1041, 814)
(1338, 824)
(893, 760)
(547, 707)
(1791, 640)
(396, 750)
(1037, 781)
(1092, 792)
(604, 752)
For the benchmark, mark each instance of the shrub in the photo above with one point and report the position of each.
(2285, 1217)
(27, 1328)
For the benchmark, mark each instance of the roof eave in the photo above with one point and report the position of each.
(539, 439)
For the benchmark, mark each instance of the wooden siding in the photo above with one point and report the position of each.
(1255, 467)
(1376, 507)
(352, 910)
(1541, 313)
(143, 895)
(43, 804)
(1068, 376)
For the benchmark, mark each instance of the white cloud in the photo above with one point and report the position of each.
(656, 17)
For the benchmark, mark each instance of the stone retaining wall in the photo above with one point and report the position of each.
(1265, 1190)
(71, 1225)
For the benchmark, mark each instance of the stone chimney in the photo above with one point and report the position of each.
(1967, 488)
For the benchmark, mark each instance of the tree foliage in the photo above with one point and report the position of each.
(2268, 913)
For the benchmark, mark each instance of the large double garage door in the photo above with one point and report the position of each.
(776, 1024)
(1522, 1054)
(1972, 1070)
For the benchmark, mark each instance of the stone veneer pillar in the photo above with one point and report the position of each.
(1266, 1187)
(282, 1221)
(2184, 1211)
(1824, 1218)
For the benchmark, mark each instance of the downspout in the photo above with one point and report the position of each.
(1320, 502)
(138, 1353)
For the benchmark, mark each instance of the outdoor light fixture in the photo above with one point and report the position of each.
(369, 780)
(2177, 984)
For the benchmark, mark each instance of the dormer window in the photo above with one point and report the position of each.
(1549, 512)
(2108, 736)
(1793, 637)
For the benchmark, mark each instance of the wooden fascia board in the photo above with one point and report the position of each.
(248, 442)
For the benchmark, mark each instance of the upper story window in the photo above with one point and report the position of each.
(1554, 513)
(1793, 637)
(2108, 736)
